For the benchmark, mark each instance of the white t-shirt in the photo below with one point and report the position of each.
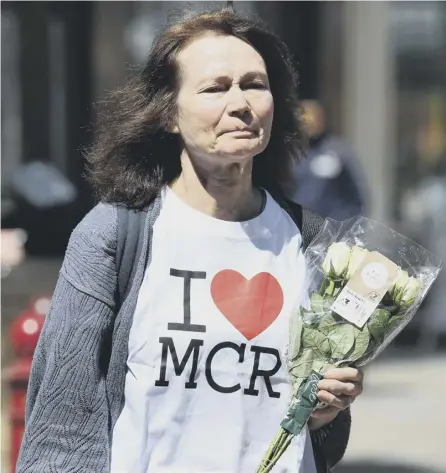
(207, 384)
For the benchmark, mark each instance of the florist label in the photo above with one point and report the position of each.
(366, 288)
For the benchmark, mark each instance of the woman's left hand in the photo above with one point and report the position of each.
(337, 390)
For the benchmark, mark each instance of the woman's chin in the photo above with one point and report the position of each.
(241, 150)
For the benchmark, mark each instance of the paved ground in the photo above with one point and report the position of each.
(399, 421)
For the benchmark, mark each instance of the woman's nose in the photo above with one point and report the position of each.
(237, 103)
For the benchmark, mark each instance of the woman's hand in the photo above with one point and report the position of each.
(337, 390)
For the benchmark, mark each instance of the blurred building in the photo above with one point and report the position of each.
(379, 68)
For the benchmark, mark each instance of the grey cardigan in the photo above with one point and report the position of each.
(76, 387)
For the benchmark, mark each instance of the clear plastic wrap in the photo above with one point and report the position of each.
(365, 283)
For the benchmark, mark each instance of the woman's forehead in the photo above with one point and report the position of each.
(220, 56)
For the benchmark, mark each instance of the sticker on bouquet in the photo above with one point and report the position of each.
(366, 288)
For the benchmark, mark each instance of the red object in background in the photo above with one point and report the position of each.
(24, 334)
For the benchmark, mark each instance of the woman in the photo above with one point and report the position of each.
(188, 374)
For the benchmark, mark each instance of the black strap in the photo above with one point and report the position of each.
(309, 223)
(312, 224)
(128, 249)
(294, 210)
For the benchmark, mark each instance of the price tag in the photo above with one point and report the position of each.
(365, 289)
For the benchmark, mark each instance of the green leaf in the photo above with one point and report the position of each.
(301, 367)
(328, 287)
(311, 337)
(321, 366)
(297, 383)
(318, 342)
(342, 339)
(328, 302)
(317, 302)
(378, 323)
(310, 318)
(408, 303)
(324, 349)
(307, 362)
(362, 341)
(296, 328)
(394, 322)
(392, 309)
(327, 324)
(368, 355)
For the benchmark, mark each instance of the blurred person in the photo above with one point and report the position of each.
(167, 378)
(328, 181)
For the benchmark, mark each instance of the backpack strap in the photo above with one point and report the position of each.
(308, 222)
(128, 249)
(312, 224)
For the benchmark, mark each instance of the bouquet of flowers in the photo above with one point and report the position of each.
(366, 282)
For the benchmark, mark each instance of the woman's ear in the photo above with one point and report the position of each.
(174, 129)
(171, 123)
(171, 126)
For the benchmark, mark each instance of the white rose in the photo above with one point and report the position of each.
(337, 258)
(357, 255)
(401, 281)
(411, 290)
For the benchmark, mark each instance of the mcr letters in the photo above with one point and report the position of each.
(190, 357)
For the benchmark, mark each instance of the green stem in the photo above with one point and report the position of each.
(275, 450)
(324, 286)
(279, 443)
(273, 445)
(275, 459)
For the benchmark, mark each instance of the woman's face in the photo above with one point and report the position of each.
(225, 106)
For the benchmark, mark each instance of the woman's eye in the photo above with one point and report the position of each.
(255, 85)
(215, 89)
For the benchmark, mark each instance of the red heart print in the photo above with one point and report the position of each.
(250, 305)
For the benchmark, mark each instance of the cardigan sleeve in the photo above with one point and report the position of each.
(330, 442)
(66, 426)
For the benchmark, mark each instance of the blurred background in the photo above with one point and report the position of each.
(373, 83)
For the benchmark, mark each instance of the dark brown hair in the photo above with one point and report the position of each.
(134, 156)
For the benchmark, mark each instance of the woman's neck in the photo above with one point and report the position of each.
(225, 193)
